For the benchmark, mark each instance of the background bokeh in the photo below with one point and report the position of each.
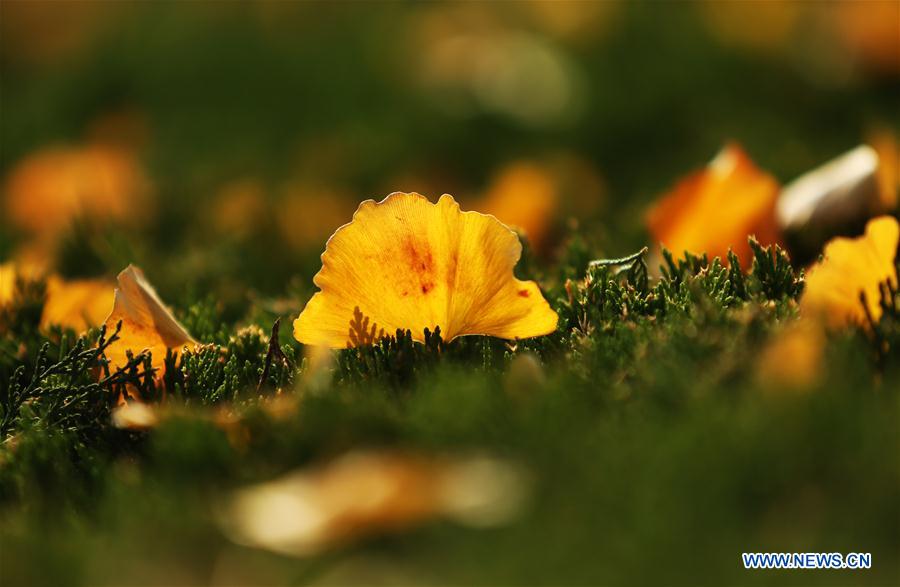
(219, 144)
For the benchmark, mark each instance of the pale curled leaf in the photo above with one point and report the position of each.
(371, 492)
(135, 416)
(146, 323)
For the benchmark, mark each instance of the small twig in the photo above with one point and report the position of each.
(274, 351)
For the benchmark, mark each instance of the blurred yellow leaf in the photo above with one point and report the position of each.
(7, 283)
(852, 266)
(78, 304)
(793, 358)
(146, 323)
(371, 492)
(525, 196)
(49, 189)
(406, 263)
(717, 208)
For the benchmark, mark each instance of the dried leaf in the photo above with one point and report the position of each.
(146, 323)
(834, 198)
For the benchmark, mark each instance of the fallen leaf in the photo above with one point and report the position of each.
(852, 266)
(134, 416)
(525, 196)
(78, 304)
(50, 188)
(717, 208)
(834, 198)
(408, 264)
(371, 492)
(146, 323)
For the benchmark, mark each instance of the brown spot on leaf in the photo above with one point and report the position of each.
(421, 263)
(524, 293)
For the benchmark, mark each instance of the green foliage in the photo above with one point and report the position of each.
(394, 359)
(203, 320)
(61, 393)
(211, 373)
(620, 289)
(772, 275)
(647, 386)
(885, 333)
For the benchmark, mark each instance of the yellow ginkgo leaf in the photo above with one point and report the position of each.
(852, 266)
(77, 304)
(717, 208)
(409, 264)
(146, 323)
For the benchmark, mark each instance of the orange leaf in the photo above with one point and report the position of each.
(717, 208)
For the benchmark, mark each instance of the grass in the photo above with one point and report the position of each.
(657, 454)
